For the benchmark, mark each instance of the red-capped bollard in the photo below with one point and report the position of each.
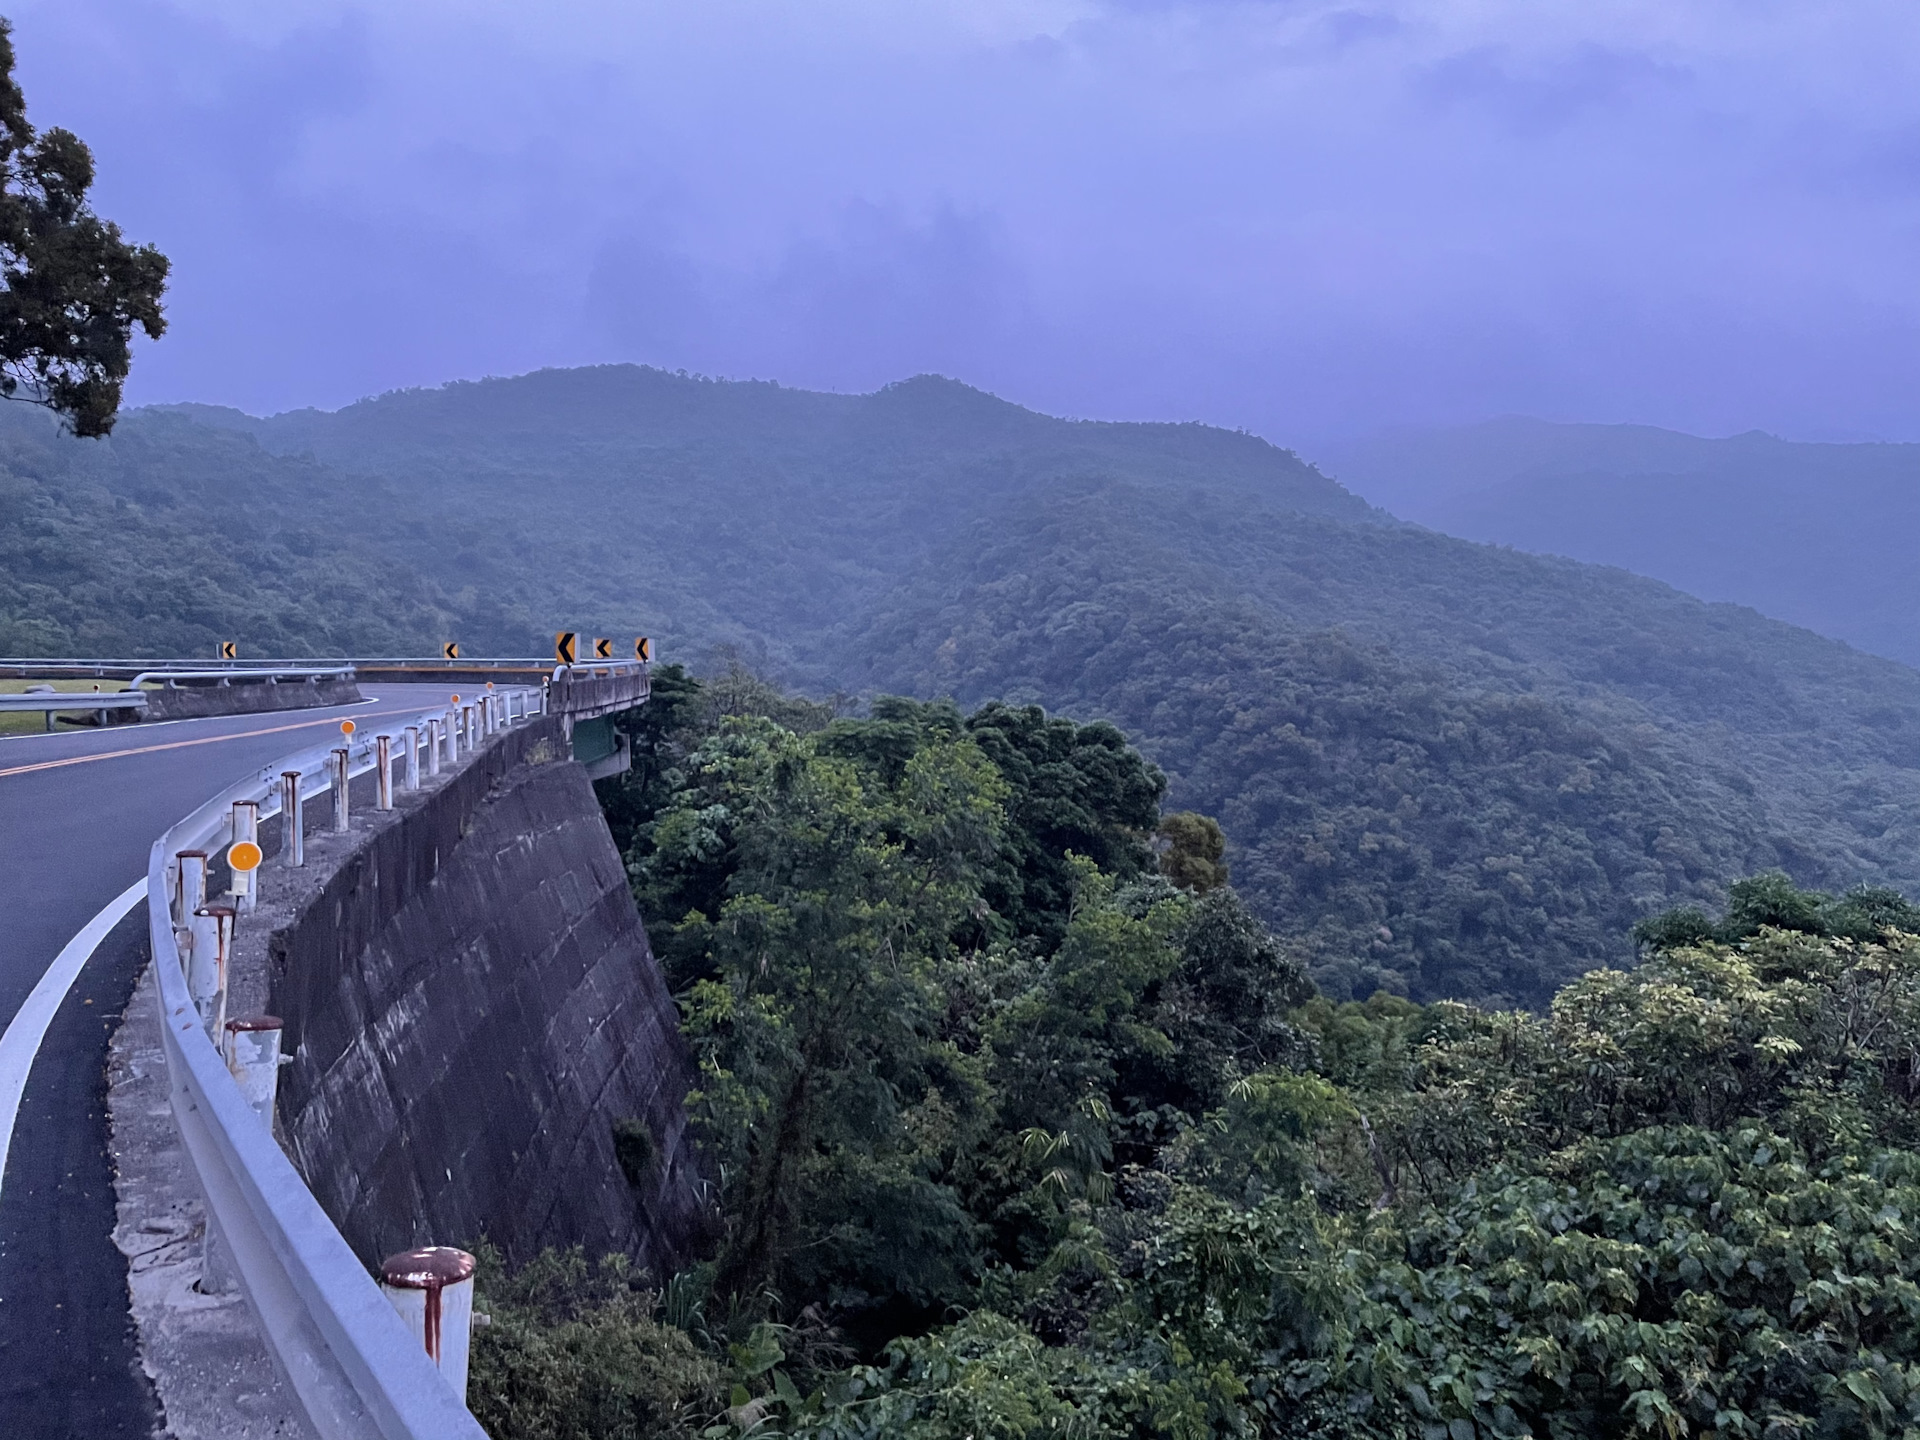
(251, 1048)
(212, 943)
(293, 820)
(432, 1289)
(189, 884)
(339, 787)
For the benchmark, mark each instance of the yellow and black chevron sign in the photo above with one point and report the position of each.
(602, 649)
(643, 649)
(450, 650)
(563, 643)
(229, 650)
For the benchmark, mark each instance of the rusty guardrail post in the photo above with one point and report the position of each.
(293, 816)
(244, 826)
(432, 1288)
(211, 937)
(190, 885)
(339, 787)
(412, 778)
(383, 772)
(251, 1048)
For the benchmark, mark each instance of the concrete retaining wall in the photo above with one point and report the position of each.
(195, 702)
(475, 1016)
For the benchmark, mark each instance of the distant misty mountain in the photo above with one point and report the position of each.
(1820, 535)
(1445, 767)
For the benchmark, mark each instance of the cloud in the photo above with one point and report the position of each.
(1301, 216)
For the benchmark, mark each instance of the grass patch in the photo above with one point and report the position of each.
(34, 723)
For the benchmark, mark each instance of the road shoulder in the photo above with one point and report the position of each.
(202, 1351)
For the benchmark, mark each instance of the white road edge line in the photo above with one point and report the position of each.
(21, 1043)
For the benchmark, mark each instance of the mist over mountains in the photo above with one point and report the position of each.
(1821, 535)
(1446, 768)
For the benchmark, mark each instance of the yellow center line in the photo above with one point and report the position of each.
(202, 740)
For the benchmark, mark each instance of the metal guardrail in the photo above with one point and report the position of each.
(72, 668)
(53, 702)
(585, 669)
(279, 672)
(75, 700)
(354, 1368)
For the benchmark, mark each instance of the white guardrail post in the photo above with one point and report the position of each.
(293, 830)
(383, 772)
(342, 1345)
(341, 788)
(246, 826)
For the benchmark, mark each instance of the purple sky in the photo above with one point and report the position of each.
(1307, 219)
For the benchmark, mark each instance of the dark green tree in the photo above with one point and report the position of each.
(1671, 929)
(825, 1098)
(1076, 789)
(74, 288)
(1194, 847)
(659, 735)
(1771, 899)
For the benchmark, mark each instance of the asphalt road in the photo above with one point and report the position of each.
(79, 812)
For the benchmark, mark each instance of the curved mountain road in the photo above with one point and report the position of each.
(79, 812)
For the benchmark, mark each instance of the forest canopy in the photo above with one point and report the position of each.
(1023, 1125)
(1442, 769)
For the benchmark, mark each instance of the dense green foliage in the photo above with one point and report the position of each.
(1773, 901)
(1442, 768)
(74, 290)
(579, 1352)
(1481, 808)
(1126, 1175)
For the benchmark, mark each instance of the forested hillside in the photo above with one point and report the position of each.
(1020, 1128)
(1817, 534)
(1444, 768)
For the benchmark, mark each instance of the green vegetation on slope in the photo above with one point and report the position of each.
(1002, 1158)
(1443, 768)
(1816, 534)
(1447, 770)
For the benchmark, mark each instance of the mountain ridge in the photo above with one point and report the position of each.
(1498, 760)
(1817, 534)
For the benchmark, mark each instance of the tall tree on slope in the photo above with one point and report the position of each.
(74, 288)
